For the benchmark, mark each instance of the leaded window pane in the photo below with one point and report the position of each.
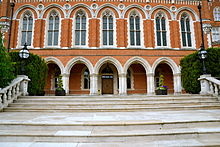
(138, 40)
(110, 37)
(56, 34)
(164, 39)
(187, 26)
(189, 39)
(158, 39)
(184, 38)
(51, 23)
(77, 22)
(137, 21)
(132, 37)
(110, 23)
(29, 38)
(83, 37)
(84, 22)
(163, 22)
(104, 37)
(56, 23)
(105, 23)
(131, 23)
(25, 23)
(77, 33)
(23, 40)
(182, 25)
(157, 23)
(50, 33)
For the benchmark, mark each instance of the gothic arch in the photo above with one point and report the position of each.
(195, 16)
(56, 7)
(140, 60)
(164, 8)
(56, 61)
(127, 9)
(75, 60)
(169, 62)
(104, 60)
(107, 6)
(82, 6)
(32, 9)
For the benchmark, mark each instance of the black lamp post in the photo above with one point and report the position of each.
(202, 52)
(24, 54)
(10, 26)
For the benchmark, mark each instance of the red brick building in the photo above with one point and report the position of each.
(112, 46)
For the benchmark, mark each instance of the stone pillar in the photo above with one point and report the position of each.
(150, 84)
(24, 84)
(122, 84)
(93, 84)
(65, 78)
(177, 83)
(204, 84)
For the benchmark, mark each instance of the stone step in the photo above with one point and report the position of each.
(108, 135)
(108, 105)
(109, 109)
(109, 125)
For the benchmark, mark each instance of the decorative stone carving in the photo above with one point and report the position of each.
(121, 6)
(94, 6)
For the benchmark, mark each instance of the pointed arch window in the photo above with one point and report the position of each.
(186, 31)
(135, 31)
(80, 28)
(27, 29)
(161, 30)
(53, 29)
(107, 28)
(217, 14)
(86, 79)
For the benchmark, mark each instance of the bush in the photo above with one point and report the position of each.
(35, 68)
(6, 67)
(192, 69)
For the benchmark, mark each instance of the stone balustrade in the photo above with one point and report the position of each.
(209, 85)
(10, 93)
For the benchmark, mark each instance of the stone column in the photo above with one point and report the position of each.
(93, 84)
(65, 78)
(177, 83)
(204, 84)
(122, 84)
(24, 84)
(150, 84)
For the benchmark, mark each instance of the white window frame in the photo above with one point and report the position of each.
(167, 30)
(213, 34)
(20, 29)
(47, 27)
(108, 12)
(216, 14)
(74, 28)
(135, 12)
(191, 30)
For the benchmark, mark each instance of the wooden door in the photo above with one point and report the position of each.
(107, 86)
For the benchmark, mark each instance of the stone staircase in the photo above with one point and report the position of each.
(134, 120)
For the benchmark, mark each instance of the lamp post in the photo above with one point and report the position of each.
(10, 26)
(24, 54)
(202, 52)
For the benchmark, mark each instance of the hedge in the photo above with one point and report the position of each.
(191, 69)
(35, 68)
(6, 66)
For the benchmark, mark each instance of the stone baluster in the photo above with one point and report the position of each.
(18, 89)
(211, 88)
(5, 102)
(13, 92)
(1, 104)
(9, 94)
(216, 89)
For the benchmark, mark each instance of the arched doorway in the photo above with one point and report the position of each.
(79, 80)
(165, 70)
(108, 79)
(52, 78)
(136, 79)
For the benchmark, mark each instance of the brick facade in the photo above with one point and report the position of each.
(144, 60)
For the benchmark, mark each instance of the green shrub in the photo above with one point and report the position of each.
(192, 69)
(35, 68)
(6, 67)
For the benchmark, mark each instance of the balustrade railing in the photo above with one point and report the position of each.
(10, 93)
(210, 85)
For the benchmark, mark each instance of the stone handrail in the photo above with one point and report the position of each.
(10, 93)
(209, 85)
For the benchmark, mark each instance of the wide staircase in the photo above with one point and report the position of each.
(110, 121)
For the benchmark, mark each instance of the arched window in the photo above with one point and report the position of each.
(80, 28)
(128, 79)
(107, 28)
(161, 30)
(135, 31)
(186, 31)
(27, 28)
(86, 77)
(217, 14)
(53, 29)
